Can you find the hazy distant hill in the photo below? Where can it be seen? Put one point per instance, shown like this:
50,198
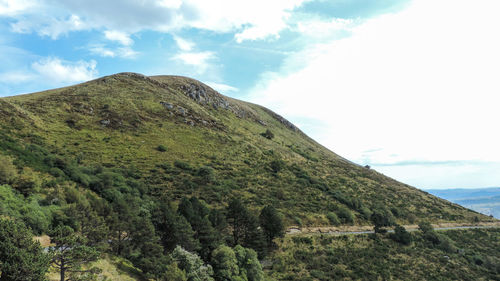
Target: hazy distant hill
483,200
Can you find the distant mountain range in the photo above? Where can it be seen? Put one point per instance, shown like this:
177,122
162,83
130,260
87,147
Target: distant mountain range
483,200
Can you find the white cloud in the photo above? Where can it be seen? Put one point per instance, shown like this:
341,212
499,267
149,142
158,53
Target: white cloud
122,52
15,77
14,7
58,71
420,84
118,36
220,87
183,44
201,60
250,20
49,26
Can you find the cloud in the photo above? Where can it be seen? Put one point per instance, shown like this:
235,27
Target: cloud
421,84
118,36
183,44
58,71
249,20
201,60
15,77
122,52
49,26
223,88
14,7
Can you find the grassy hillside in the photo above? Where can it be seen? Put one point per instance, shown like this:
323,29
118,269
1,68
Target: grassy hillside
172,176
132,122
447,255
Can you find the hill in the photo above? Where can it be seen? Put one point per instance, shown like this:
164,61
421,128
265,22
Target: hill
483,200
124,121
188,184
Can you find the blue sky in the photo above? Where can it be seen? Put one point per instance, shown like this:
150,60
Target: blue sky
408,87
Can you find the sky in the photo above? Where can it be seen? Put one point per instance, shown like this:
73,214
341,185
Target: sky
411,88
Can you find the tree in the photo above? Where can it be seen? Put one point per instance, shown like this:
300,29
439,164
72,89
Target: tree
197,215
192,265
236,215
249,264
173,229
70,252
174,273
225,264
21,258
380,219
401,235
271,223
245,227
8,171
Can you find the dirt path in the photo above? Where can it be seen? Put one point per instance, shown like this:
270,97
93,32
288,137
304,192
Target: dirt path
356,230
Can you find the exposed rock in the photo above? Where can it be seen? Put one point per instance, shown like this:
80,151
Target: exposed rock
262,122
105,122
182,110
167,105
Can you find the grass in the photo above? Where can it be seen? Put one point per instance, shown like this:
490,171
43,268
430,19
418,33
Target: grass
314,181
468,255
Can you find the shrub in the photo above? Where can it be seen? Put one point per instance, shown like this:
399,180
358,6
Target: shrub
333,218
8,171
277,165
206,174
268,134
401,235
161,148
182,165
345,215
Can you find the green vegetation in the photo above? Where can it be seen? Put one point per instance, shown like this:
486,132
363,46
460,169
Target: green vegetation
470,255
21,258
180,182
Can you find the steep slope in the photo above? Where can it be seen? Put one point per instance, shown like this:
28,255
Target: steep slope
163,129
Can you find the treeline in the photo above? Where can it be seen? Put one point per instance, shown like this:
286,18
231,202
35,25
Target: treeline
111,211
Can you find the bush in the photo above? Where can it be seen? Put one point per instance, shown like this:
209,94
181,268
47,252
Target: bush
268,134
182,165
8,171
161,148
401,235
277,165
206,174
345,215
333,218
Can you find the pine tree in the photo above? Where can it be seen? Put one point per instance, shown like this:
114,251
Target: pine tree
70,252
21,258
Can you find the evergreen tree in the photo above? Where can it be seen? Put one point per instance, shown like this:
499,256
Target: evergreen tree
237,215
173,229
70,252
271,223
21,258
